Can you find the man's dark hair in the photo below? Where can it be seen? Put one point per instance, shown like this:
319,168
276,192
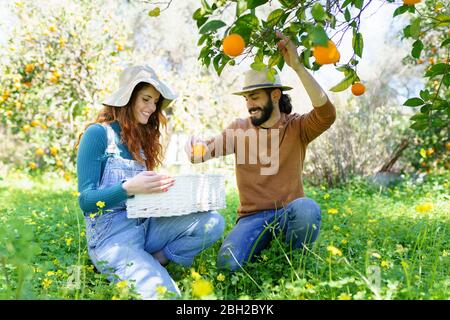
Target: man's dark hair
284,103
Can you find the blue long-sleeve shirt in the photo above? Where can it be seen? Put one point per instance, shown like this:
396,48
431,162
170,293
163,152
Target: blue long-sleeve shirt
91,161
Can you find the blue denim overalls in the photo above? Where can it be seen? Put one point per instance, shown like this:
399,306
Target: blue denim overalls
122,247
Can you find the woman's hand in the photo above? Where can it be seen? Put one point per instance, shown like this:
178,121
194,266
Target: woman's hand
148,182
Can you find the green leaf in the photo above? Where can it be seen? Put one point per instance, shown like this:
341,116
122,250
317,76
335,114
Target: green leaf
417,49
346,3
358,3
198,14
425,108
413,102
202,39
241,7
212,25
155,12
275,17
252,4
258,66
443,20
318,12
445,42
425,95
275,59
319,36
345,83
347,15
419,117
201,21
271,74
437,69
305,55
419,125
400,10
446,80
249,21
358,43
407,31
415,28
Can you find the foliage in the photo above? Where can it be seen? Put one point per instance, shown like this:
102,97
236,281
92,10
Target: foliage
57,66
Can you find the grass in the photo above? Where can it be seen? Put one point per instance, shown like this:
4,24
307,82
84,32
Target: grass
374,244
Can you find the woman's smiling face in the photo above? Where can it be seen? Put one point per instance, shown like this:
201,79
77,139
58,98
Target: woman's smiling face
145,104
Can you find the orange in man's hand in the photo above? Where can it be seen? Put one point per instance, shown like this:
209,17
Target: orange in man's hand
199,150
326,55
233,45
358,88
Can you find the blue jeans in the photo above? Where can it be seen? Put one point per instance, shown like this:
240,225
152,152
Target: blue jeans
299,221
122,248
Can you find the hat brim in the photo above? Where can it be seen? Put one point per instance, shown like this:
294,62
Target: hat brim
253,88
122,96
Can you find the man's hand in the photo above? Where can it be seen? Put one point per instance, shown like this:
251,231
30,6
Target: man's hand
195,149
289,51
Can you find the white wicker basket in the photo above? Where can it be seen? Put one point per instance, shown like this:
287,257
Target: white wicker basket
190,193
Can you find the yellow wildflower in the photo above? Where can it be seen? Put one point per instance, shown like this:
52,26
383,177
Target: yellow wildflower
336,228
334,251
195,275
332,211
53,151
344,241
122,284
309,286
69,241
46,283
92,215
326,196
424,207
100,204
75,193
344,296
115,298
32,165
220,277
39,152
385,264
161,290
201,288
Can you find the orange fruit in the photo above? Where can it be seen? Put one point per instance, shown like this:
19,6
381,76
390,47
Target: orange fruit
411,2
326,55
199,150
358,88
233,45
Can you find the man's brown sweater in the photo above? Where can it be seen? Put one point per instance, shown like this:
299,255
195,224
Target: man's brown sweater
261,191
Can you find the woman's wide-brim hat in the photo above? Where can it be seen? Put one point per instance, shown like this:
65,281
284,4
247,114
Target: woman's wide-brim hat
130,77
254,80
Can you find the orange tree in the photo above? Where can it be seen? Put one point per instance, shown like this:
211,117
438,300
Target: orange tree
55,66
316,27
430,32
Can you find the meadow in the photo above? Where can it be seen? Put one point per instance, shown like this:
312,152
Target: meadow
375,243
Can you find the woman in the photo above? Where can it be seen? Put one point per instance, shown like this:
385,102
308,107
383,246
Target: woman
116,158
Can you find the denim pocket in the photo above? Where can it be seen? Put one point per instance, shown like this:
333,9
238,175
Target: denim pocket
97,229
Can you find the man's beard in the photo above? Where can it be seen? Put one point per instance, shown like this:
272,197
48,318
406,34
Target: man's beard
266,112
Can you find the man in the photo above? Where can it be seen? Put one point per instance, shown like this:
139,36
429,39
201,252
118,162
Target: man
270,188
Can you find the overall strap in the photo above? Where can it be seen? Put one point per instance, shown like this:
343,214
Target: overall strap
112,147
